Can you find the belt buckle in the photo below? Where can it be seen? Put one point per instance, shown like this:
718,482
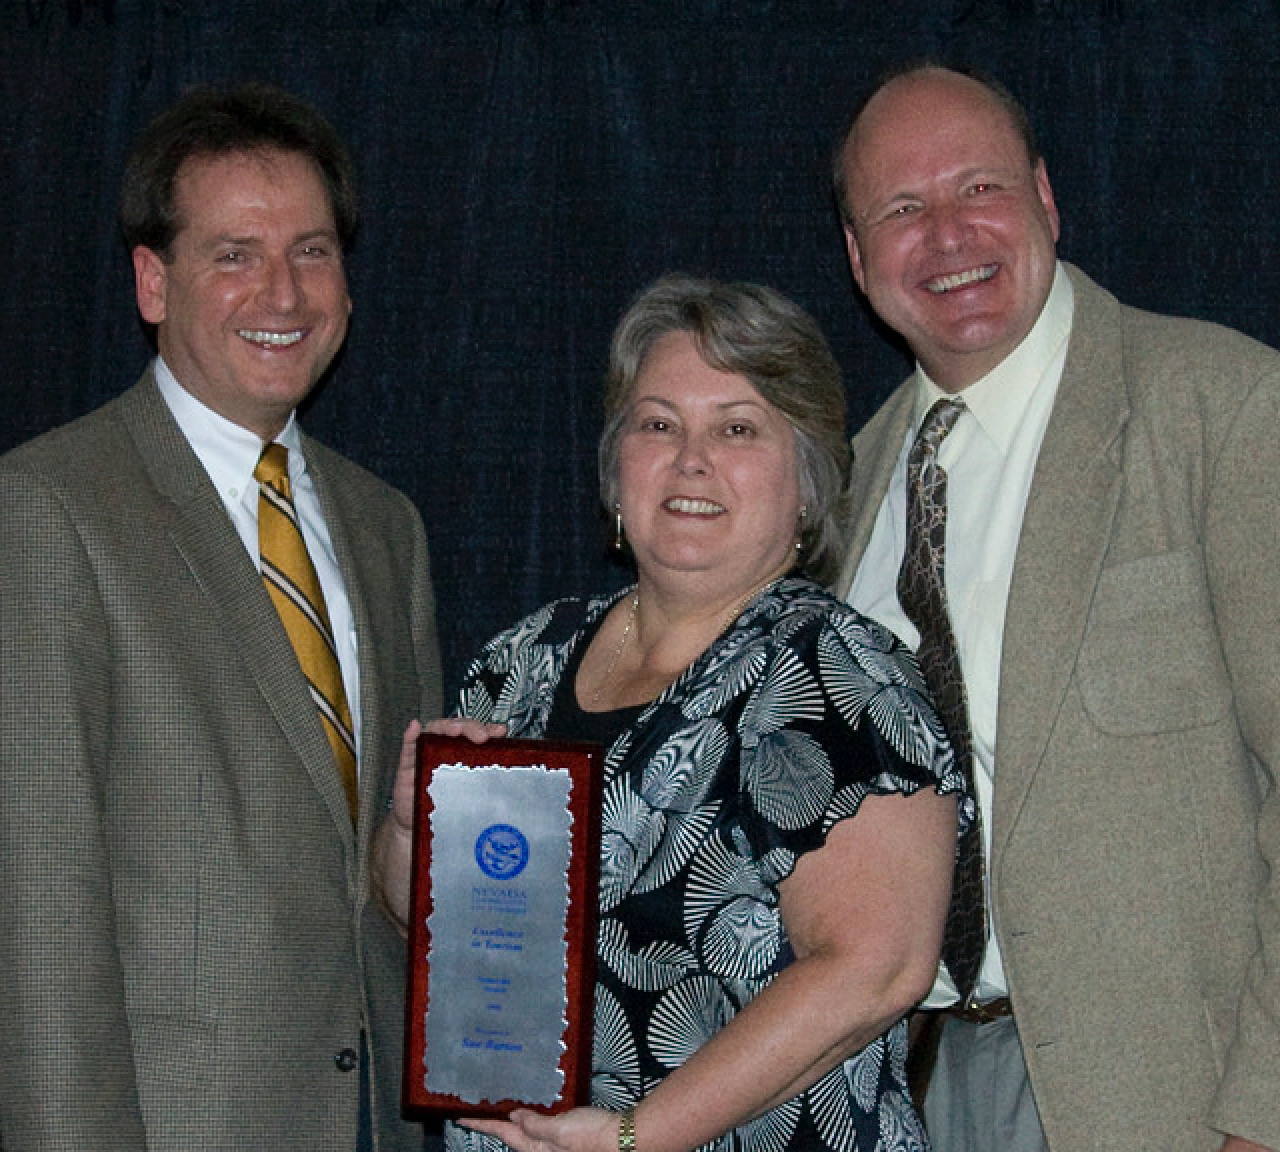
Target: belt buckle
985,1013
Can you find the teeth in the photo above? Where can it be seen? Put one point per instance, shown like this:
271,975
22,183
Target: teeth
960,279
272,339
694,507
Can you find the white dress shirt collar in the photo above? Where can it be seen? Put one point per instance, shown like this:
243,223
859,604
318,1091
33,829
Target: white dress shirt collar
999,399
228,452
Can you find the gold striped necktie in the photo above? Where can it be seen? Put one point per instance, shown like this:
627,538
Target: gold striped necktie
295,590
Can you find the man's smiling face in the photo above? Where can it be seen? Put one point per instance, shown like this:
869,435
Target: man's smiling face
250,303
953,228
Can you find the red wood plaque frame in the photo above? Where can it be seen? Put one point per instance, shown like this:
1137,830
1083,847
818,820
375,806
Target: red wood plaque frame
583,763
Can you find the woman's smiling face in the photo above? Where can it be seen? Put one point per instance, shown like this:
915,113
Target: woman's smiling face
707,475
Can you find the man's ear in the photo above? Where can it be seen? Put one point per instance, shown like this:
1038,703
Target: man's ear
150,283
1045,191
855,257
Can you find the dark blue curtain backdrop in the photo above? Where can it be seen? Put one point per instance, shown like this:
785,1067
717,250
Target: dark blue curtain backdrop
528,166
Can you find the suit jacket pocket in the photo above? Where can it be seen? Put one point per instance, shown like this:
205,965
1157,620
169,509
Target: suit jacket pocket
1150,660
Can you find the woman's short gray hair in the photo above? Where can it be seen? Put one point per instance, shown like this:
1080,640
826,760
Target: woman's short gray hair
757,333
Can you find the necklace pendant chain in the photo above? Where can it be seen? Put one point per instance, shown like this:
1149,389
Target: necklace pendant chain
617,652
734,611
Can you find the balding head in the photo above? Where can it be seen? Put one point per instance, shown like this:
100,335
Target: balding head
950,220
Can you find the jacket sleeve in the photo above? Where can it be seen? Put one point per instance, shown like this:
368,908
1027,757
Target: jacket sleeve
67,1077
1242,559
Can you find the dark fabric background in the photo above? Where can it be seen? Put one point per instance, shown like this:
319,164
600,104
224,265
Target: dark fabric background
527,166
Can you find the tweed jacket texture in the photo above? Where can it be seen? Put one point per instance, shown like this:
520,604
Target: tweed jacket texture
188,952
1136,826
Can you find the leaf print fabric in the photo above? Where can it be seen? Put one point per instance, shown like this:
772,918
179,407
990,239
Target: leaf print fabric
712,793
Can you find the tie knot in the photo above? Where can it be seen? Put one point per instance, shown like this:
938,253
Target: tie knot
273,467
938,422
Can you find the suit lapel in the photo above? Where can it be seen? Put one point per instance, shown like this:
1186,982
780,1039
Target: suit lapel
875,455
205,537
365,564
1066,530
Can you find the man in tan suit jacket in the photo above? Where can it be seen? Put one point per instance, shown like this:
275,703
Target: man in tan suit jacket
189,957
1132,819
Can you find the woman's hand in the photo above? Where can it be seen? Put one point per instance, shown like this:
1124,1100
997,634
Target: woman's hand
477,731
580,1130
391,855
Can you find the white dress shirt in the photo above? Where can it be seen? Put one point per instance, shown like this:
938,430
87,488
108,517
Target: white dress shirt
229,454
989,458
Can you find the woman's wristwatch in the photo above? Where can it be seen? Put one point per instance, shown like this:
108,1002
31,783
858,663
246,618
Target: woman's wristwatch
627,1130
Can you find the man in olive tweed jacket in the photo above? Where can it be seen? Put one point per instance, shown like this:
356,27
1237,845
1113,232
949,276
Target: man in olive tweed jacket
188,955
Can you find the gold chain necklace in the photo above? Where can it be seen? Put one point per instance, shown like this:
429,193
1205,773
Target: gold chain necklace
733,612
617,652
735,609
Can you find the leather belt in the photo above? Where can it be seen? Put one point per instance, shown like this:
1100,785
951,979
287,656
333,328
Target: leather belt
982,1013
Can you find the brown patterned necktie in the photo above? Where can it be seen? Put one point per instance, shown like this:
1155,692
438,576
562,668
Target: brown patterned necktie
295,590
922,594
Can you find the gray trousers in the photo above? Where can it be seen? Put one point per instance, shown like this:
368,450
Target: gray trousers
979,1097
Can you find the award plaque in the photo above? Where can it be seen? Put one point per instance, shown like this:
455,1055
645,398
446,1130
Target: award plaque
502,927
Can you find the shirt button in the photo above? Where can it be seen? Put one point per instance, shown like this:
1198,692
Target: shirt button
346,1060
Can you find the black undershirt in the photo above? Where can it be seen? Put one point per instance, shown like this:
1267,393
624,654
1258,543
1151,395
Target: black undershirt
569,721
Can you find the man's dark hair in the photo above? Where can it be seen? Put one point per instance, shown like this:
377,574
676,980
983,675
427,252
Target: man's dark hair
1003,97
213,122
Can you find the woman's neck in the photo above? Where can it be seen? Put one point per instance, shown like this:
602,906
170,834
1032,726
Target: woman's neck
652,636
